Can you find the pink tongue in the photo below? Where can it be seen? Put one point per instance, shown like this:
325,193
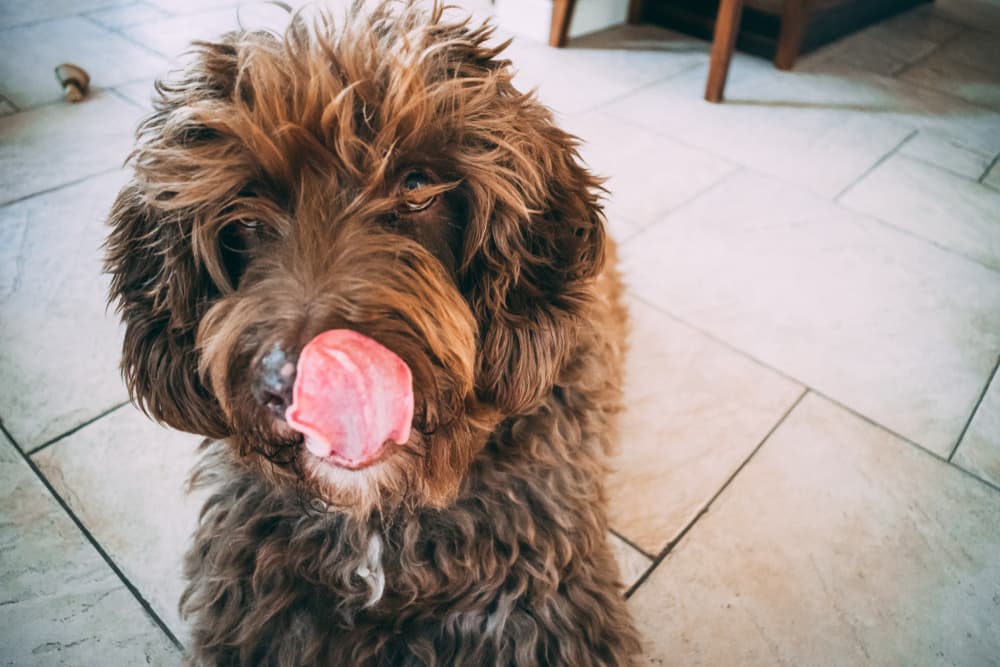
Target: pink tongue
351,396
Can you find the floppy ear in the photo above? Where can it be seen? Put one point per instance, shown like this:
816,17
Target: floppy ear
161,295
160,285
533,259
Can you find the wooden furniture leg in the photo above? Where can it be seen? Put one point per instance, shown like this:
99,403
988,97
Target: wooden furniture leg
793,26
562,13
727,24
635,10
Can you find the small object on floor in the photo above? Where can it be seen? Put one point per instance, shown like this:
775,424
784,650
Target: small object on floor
74,80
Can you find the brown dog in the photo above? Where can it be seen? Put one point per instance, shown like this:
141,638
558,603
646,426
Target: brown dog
384,178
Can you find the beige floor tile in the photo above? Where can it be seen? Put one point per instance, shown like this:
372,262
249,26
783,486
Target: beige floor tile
192,6
129,15
979,451
933,204
59,348
924,22
139,93
19,12
894,327
598,68
648,174
141,514
980,14
60,602
631,563
881,49
992,177
836,545
767,124
695,410
57,144
26,74
938,151
968,67
173,37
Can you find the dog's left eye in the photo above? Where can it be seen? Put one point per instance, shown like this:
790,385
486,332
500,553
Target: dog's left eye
413,182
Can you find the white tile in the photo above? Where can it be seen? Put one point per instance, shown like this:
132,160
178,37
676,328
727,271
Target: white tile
992,177
128,15
880,49
139,93
837,544
141,515
192,6
648,174
26,75
888,324
924,22
60,602
632,564
955,212
939,151
53,145
59,347
599,68
19,12
694,412
769,124
173,37
979,451
968,67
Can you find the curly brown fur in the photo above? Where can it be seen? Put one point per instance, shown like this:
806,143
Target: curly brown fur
272,201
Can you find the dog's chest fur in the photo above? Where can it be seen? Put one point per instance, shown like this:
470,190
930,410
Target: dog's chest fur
481,582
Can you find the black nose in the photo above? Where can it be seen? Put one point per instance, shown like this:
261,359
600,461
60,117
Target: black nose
274,381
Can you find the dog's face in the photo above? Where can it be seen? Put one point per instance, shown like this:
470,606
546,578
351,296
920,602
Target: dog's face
383,177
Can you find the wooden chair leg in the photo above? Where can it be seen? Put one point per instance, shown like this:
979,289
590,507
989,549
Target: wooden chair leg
793,27
727,25
635,8
562,13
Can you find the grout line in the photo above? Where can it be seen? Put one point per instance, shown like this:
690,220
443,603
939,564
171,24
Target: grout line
975,409
59,17
665,215
989,167
67,184
913,235
638,89
630,543
707,506
94,543
806,385
878,163
82,425
937,47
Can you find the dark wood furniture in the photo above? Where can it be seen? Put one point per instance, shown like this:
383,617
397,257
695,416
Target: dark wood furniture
727,26
797,25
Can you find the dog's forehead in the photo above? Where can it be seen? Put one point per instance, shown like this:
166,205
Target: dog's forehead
361,96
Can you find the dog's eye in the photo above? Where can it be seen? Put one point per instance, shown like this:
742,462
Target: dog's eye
411,185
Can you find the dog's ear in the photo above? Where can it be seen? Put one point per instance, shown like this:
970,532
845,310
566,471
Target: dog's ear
160,285
534,245
160,295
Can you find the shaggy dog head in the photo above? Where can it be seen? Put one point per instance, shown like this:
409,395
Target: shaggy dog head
380,175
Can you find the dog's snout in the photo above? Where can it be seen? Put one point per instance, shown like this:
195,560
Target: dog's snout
274,381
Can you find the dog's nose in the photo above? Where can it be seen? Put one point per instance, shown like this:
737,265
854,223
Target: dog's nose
275,379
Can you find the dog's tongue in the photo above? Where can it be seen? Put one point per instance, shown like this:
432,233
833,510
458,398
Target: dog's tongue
351,396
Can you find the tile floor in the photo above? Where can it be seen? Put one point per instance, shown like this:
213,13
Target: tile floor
810,463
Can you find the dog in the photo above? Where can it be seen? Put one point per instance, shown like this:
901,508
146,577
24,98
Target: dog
375,276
